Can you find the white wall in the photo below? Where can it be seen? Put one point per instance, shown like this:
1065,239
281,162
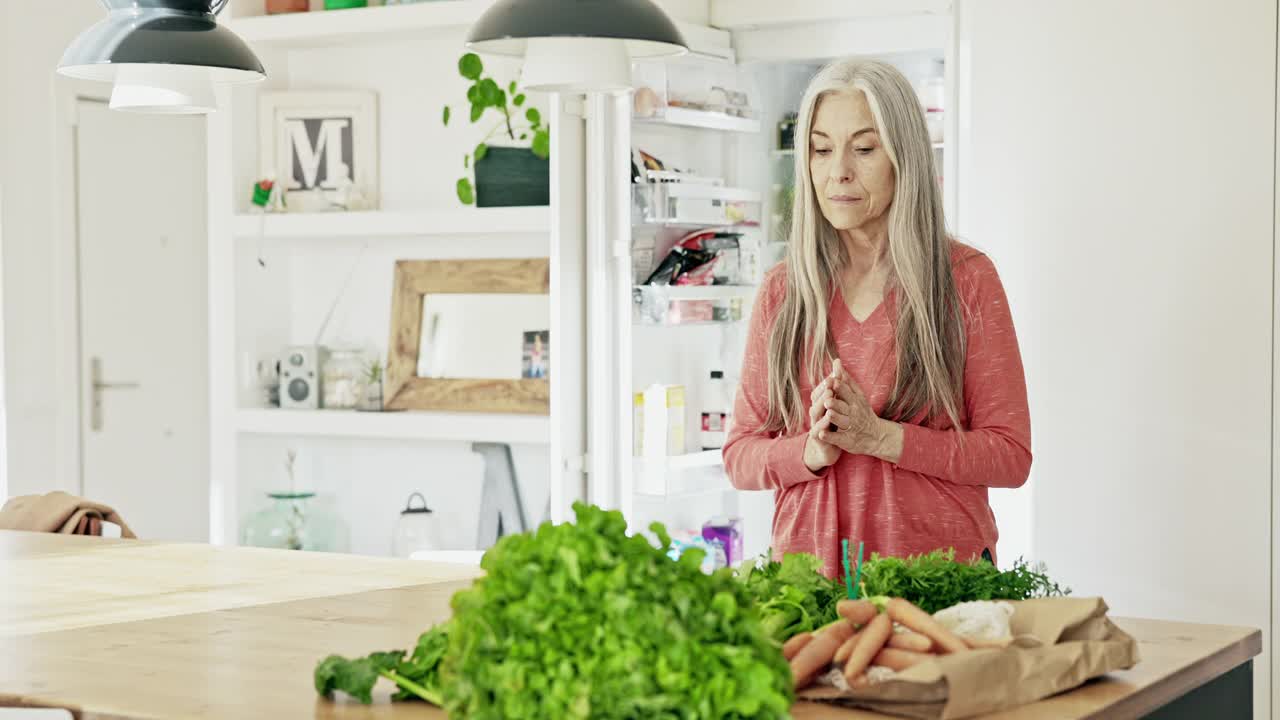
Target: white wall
32,38
691,11
1117,162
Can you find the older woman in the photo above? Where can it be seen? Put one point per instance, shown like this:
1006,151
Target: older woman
882,390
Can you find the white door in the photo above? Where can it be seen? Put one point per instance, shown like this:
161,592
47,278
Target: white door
143,318
1117,161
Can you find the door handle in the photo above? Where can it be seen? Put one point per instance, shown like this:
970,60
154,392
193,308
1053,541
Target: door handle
98,385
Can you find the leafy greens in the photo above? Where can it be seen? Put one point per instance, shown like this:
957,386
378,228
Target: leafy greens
581,620
793,595
418,676
936,580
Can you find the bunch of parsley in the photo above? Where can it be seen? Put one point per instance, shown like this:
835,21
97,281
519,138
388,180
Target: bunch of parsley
581,620
936,580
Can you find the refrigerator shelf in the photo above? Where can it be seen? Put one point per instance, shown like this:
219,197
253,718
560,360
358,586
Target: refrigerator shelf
674,305
727,324
697,292
680,475
705,119
693,204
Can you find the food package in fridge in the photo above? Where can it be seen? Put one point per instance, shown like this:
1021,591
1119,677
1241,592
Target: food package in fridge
637,424
664,410
728,532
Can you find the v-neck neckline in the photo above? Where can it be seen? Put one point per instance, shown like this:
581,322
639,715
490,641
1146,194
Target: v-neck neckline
840,299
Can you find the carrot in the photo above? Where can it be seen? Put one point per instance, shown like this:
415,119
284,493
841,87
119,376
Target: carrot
858,612
794,643
817,653
895,659
913,618
843,653
870,641
913,641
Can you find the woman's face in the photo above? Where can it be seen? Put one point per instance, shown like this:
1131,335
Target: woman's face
852,175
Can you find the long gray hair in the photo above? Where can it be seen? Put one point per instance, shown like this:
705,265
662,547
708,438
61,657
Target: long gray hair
929,330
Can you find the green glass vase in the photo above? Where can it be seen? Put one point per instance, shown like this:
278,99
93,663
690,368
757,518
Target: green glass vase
294,521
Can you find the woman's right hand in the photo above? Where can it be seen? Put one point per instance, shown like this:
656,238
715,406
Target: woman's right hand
819,454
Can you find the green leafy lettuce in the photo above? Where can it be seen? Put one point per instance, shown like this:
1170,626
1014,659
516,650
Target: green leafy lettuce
793,595
581,620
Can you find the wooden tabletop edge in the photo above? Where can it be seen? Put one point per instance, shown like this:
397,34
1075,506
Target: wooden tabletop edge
1176,684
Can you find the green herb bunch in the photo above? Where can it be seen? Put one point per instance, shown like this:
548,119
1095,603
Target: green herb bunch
485,94
417,676
793,595
581,620
936,581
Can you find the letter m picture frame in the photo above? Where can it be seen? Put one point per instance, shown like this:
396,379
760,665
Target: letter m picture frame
326,140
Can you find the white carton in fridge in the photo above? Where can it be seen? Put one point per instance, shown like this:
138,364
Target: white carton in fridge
664,410
637,424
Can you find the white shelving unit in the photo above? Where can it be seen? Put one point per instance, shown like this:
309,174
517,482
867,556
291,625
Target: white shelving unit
378,24
466,427
356,25
407,56
442,222
686,117
766,13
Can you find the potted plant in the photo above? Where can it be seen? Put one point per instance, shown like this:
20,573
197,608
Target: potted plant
371,394
505,175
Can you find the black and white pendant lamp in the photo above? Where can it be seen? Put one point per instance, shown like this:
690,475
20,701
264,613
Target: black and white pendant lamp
576,45
162,56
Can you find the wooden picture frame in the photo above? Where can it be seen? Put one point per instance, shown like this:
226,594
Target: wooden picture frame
405,390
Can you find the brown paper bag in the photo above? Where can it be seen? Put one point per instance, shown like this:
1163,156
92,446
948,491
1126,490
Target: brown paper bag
1059,643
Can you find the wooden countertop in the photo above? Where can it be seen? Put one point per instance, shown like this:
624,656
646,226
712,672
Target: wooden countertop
127,629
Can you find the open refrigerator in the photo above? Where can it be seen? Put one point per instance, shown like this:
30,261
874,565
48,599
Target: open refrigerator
700,156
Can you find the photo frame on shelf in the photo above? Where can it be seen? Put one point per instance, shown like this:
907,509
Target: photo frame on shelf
322,148
535,361
407,388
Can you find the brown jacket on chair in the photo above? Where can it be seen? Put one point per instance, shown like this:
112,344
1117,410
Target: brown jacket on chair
59,512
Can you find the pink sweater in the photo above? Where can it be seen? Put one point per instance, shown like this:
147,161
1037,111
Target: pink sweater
936,495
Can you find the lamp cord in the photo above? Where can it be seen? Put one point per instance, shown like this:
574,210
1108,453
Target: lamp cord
217,7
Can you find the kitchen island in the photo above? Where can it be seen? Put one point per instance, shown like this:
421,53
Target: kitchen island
134,629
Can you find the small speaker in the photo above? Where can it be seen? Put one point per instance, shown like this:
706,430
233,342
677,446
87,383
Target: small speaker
300,377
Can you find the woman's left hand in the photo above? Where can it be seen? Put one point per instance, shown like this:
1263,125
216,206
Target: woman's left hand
858,430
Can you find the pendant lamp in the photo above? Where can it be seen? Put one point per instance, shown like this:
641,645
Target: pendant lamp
576,45
163,56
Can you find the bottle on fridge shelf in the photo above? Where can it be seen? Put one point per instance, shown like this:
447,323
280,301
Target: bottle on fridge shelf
715,412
